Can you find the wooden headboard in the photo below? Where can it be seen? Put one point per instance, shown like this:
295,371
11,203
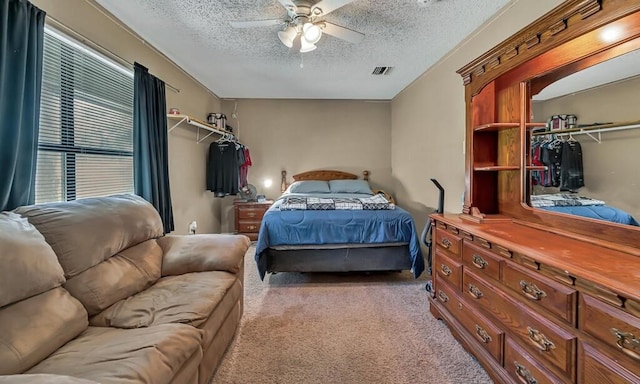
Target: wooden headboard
322,174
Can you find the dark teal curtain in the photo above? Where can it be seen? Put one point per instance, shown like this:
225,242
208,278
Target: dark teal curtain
21,42
150,144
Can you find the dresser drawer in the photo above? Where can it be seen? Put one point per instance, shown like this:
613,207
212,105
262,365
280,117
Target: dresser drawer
448,268
480,260
596,367
539,290
251,213
610,325
549,340
448,241
524,368
486,333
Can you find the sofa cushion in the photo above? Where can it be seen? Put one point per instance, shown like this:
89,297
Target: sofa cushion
189,299
87,231
43,379
28,265
33,328
199,253
117,278
111,355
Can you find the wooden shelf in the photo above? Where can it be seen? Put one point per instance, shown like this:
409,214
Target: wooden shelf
196,123
536,125
491,168
495,127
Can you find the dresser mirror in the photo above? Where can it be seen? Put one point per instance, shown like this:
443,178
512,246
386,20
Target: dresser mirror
590,142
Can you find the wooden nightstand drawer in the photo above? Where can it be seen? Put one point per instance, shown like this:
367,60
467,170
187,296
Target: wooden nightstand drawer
249,226
542,291
248,217
252,213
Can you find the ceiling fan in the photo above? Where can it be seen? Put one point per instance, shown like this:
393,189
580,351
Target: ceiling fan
303,26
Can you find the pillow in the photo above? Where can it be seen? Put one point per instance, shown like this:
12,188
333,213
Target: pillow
350,186
309,186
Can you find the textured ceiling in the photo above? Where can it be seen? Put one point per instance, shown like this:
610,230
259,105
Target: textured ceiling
408,35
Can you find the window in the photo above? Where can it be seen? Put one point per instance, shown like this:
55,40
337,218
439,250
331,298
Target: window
85,146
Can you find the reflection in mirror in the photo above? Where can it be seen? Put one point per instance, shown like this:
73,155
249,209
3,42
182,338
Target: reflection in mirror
588,157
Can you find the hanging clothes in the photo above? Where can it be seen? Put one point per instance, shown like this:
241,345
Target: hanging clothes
571,172
223,169
244,167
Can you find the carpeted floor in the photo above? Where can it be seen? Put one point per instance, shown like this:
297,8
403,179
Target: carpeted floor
342,328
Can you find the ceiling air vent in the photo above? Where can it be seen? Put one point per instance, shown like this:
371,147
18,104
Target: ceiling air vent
381,71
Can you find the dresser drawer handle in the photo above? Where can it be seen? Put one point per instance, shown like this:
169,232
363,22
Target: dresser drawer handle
445,270
540,340
251,214
251,227
482,333
627,342
474,291
524,375
443,297
479,262
446,243
531,291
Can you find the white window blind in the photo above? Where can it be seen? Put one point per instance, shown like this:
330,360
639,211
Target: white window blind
85,145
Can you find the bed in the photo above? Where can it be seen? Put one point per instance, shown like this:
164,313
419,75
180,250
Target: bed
331,221
573,204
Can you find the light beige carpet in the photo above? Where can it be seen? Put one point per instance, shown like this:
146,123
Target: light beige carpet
351,328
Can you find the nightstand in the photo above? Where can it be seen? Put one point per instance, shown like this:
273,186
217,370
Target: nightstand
248,217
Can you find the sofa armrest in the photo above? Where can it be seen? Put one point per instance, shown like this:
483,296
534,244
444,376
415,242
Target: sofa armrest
200,253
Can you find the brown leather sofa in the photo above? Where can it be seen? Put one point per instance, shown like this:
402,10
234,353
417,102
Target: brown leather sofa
92,290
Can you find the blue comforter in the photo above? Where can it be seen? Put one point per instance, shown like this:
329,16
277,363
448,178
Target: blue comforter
600,212
314,227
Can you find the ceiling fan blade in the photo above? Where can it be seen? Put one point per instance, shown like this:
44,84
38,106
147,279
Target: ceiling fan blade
256,23
288,4
329,5
342,33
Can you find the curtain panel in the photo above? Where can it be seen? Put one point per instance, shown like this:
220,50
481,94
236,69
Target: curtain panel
150,144
21,46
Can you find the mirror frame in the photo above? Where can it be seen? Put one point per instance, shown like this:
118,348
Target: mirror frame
564,41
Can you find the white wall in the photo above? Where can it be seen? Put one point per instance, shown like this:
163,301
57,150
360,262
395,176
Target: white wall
428,117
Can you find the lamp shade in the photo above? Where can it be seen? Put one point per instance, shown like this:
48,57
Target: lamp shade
287,35
311,32
306,46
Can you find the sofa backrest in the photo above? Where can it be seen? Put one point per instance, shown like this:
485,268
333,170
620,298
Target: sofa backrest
37,315
106,245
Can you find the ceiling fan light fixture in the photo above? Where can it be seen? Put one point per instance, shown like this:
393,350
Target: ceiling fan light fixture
287,35
311,33
306,46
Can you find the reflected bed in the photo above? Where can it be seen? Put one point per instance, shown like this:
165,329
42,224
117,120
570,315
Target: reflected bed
582,206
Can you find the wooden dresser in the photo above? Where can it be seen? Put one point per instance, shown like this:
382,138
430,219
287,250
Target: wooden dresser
248,217
537,307
538,296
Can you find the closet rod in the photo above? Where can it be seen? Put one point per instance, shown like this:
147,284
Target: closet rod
590,130
112,55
